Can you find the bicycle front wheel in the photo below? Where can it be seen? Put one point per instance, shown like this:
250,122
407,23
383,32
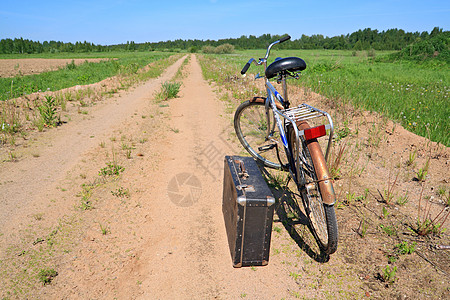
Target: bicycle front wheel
322,217
257,131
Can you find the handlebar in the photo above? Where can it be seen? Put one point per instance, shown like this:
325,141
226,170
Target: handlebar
263,60
285,38
245,68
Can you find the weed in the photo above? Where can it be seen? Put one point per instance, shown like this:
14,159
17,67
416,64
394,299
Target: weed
121,193
427,224
48,112
389,192
375,135
392,258
411,160
402,200
442,191
389,230
406,248
111,169
422,173
104,229
12,156
335,162
388,275
175,130
363,197
168,90
295,275
362,229
277,229
46,275
349,198
85,194
384,212
342,132
102,144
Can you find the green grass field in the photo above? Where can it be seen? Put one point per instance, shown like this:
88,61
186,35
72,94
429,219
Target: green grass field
416,95
71,75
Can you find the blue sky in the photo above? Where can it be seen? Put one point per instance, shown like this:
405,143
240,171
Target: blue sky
118,21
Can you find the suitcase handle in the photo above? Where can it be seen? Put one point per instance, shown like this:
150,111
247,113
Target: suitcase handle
243,173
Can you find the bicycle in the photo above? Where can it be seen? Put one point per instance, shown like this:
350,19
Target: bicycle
262,124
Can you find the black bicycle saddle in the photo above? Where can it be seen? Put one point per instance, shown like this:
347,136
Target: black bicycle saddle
290,64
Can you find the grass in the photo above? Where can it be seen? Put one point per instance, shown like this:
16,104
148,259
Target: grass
46,275
72,74
111,169
414,95
389,275
169,90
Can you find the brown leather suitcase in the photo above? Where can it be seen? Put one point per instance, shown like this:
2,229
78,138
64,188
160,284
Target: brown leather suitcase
248,206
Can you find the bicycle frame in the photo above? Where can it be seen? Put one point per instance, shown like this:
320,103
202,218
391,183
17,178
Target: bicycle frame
273,95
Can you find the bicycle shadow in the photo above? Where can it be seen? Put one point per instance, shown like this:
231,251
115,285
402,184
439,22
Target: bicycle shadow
294,219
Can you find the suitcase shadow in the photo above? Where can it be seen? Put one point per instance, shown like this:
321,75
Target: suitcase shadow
293,218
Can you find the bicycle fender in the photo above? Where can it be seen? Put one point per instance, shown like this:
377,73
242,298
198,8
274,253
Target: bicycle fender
320,166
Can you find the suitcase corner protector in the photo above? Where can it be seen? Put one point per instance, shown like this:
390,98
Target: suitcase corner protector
241,200
238,265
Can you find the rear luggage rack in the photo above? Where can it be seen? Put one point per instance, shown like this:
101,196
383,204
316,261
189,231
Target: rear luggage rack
305,112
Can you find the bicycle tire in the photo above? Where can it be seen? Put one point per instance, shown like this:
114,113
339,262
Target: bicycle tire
321,216
250,124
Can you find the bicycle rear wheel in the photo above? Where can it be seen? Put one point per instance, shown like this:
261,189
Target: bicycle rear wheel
258,132
322,217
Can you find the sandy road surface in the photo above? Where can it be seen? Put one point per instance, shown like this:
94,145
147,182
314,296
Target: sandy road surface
161,242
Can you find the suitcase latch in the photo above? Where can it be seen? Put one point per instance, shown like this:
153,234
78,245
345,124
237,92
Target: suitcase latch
246,187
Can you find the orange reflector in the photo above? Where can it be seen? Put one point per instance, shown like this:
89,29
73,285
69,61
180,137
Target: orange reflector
315,132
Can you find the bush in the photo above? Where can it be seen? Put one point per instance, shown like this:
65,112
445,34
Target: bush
208,49
224,49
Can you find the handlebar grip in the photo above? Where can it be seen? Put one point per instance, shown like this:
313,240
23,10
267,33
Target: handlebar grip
285,38
244,70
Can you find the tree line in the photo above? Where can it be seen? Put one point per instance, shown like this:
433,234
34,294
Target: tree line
366,39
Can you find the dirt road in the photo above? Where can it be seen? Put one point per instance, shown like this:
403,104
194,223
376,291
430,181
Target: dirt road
162,242
156,230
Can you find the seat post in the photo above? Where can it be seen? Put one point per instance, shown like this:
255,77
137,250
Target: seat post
285,90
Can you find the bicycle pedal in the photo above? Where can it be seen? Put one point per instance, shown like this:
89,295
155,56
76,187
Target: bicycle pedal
268,147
